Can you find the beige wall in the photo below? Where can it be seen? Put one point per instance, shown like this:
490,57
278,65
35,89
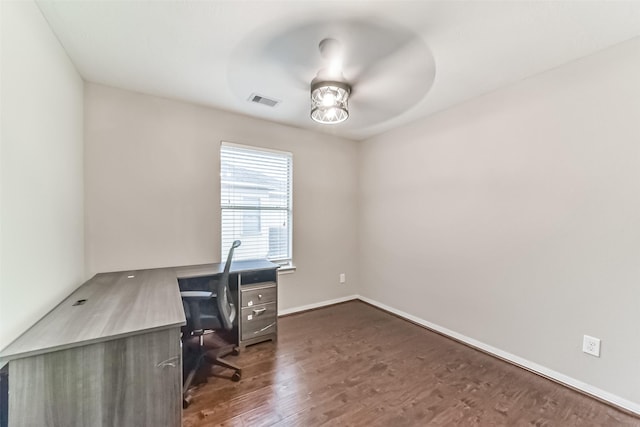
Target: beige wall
152,178
41,185
514,219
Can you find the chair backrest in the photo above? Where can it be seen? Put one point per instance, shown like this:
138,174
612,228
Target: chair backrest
225,307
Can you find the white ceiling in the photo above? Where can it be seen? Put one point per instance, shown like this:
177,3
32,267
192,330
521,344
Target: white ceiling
406,60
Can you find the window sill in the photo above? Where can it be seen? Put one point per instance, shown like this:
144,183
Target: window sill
287,269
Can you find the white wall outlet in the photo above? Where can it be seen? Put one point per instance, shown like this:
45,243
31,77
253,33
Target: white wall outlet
343,278
591,345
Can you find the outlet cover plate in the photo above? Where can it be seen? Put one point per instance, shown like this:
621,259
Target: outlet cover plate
591,345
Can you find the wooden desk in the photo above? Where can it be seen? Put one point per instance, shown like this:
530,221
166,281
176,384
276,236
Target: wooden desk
109,354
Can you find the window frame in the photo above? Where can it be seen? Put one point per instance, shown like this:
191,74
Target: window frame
285,263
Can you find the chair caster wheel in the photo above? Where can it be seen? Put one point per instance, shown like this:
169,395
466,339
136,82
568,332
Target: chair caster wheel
236,377
236,351
186,402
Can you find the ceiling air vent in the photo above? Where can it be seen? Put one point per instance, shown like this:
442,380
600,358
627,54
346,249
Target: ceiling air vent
259,99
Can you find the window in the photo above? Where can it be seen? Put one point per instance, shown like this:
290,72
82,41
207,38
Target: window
255,200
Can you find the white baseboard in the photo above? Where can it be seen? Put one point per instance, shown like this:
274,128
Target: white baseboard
519,361
316,305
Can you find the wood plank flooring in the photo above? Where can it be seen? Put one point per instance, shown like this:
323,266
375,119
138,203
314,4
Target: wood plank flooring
354,365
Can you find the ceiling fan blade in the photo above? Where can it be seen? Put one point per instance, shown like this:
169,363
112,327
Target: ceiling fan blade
398,81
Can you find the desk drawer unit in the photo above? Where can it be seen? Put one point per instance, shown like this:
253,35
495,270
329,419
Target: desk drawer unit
259,313
258,321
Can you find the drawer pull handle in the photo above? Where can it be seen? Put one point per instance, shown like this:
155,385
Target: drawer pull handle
265,328
172,362
259,311
259,296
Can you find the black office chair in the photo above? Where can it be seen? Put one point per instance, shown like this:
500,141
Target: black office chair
208,308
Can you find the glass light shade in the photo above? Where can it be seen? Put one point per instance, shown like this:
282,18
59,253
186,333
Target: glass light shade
329,102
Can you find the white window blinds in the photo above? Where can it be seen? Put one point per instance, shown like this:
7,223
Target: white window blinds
255,189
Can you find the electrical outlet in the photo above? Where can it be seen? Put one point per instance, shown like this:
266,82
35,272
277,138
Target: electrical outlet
591,345
343,278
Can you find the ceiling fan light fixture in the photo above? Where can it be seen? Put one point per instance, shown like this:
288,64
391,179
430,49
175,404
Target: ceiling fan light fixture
330,101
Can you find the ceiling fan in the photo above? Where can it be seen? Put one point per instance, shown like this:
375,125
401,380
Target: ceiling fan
368,71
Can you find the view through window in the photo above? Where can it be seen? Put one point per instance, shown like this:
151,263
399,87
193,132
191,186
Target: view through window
255,189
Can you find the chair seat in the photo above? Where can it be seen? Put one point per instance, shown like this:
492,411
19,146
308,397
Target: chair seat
210,321
209,315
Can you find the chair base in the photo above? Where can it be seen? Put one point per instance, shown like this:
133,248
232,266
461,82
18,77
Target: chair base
210,357
186,391
237,374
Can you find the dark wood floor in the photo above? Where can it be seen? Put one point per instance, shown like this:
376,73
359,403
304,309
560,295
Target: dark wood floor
352,364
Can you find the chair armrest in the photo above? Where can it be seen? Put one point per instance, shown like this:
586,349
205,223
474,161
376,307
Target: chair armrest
196,295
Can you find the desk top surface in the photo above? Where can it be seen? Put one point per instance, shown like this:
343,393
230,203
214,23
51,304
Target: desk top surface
116,305
213,269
